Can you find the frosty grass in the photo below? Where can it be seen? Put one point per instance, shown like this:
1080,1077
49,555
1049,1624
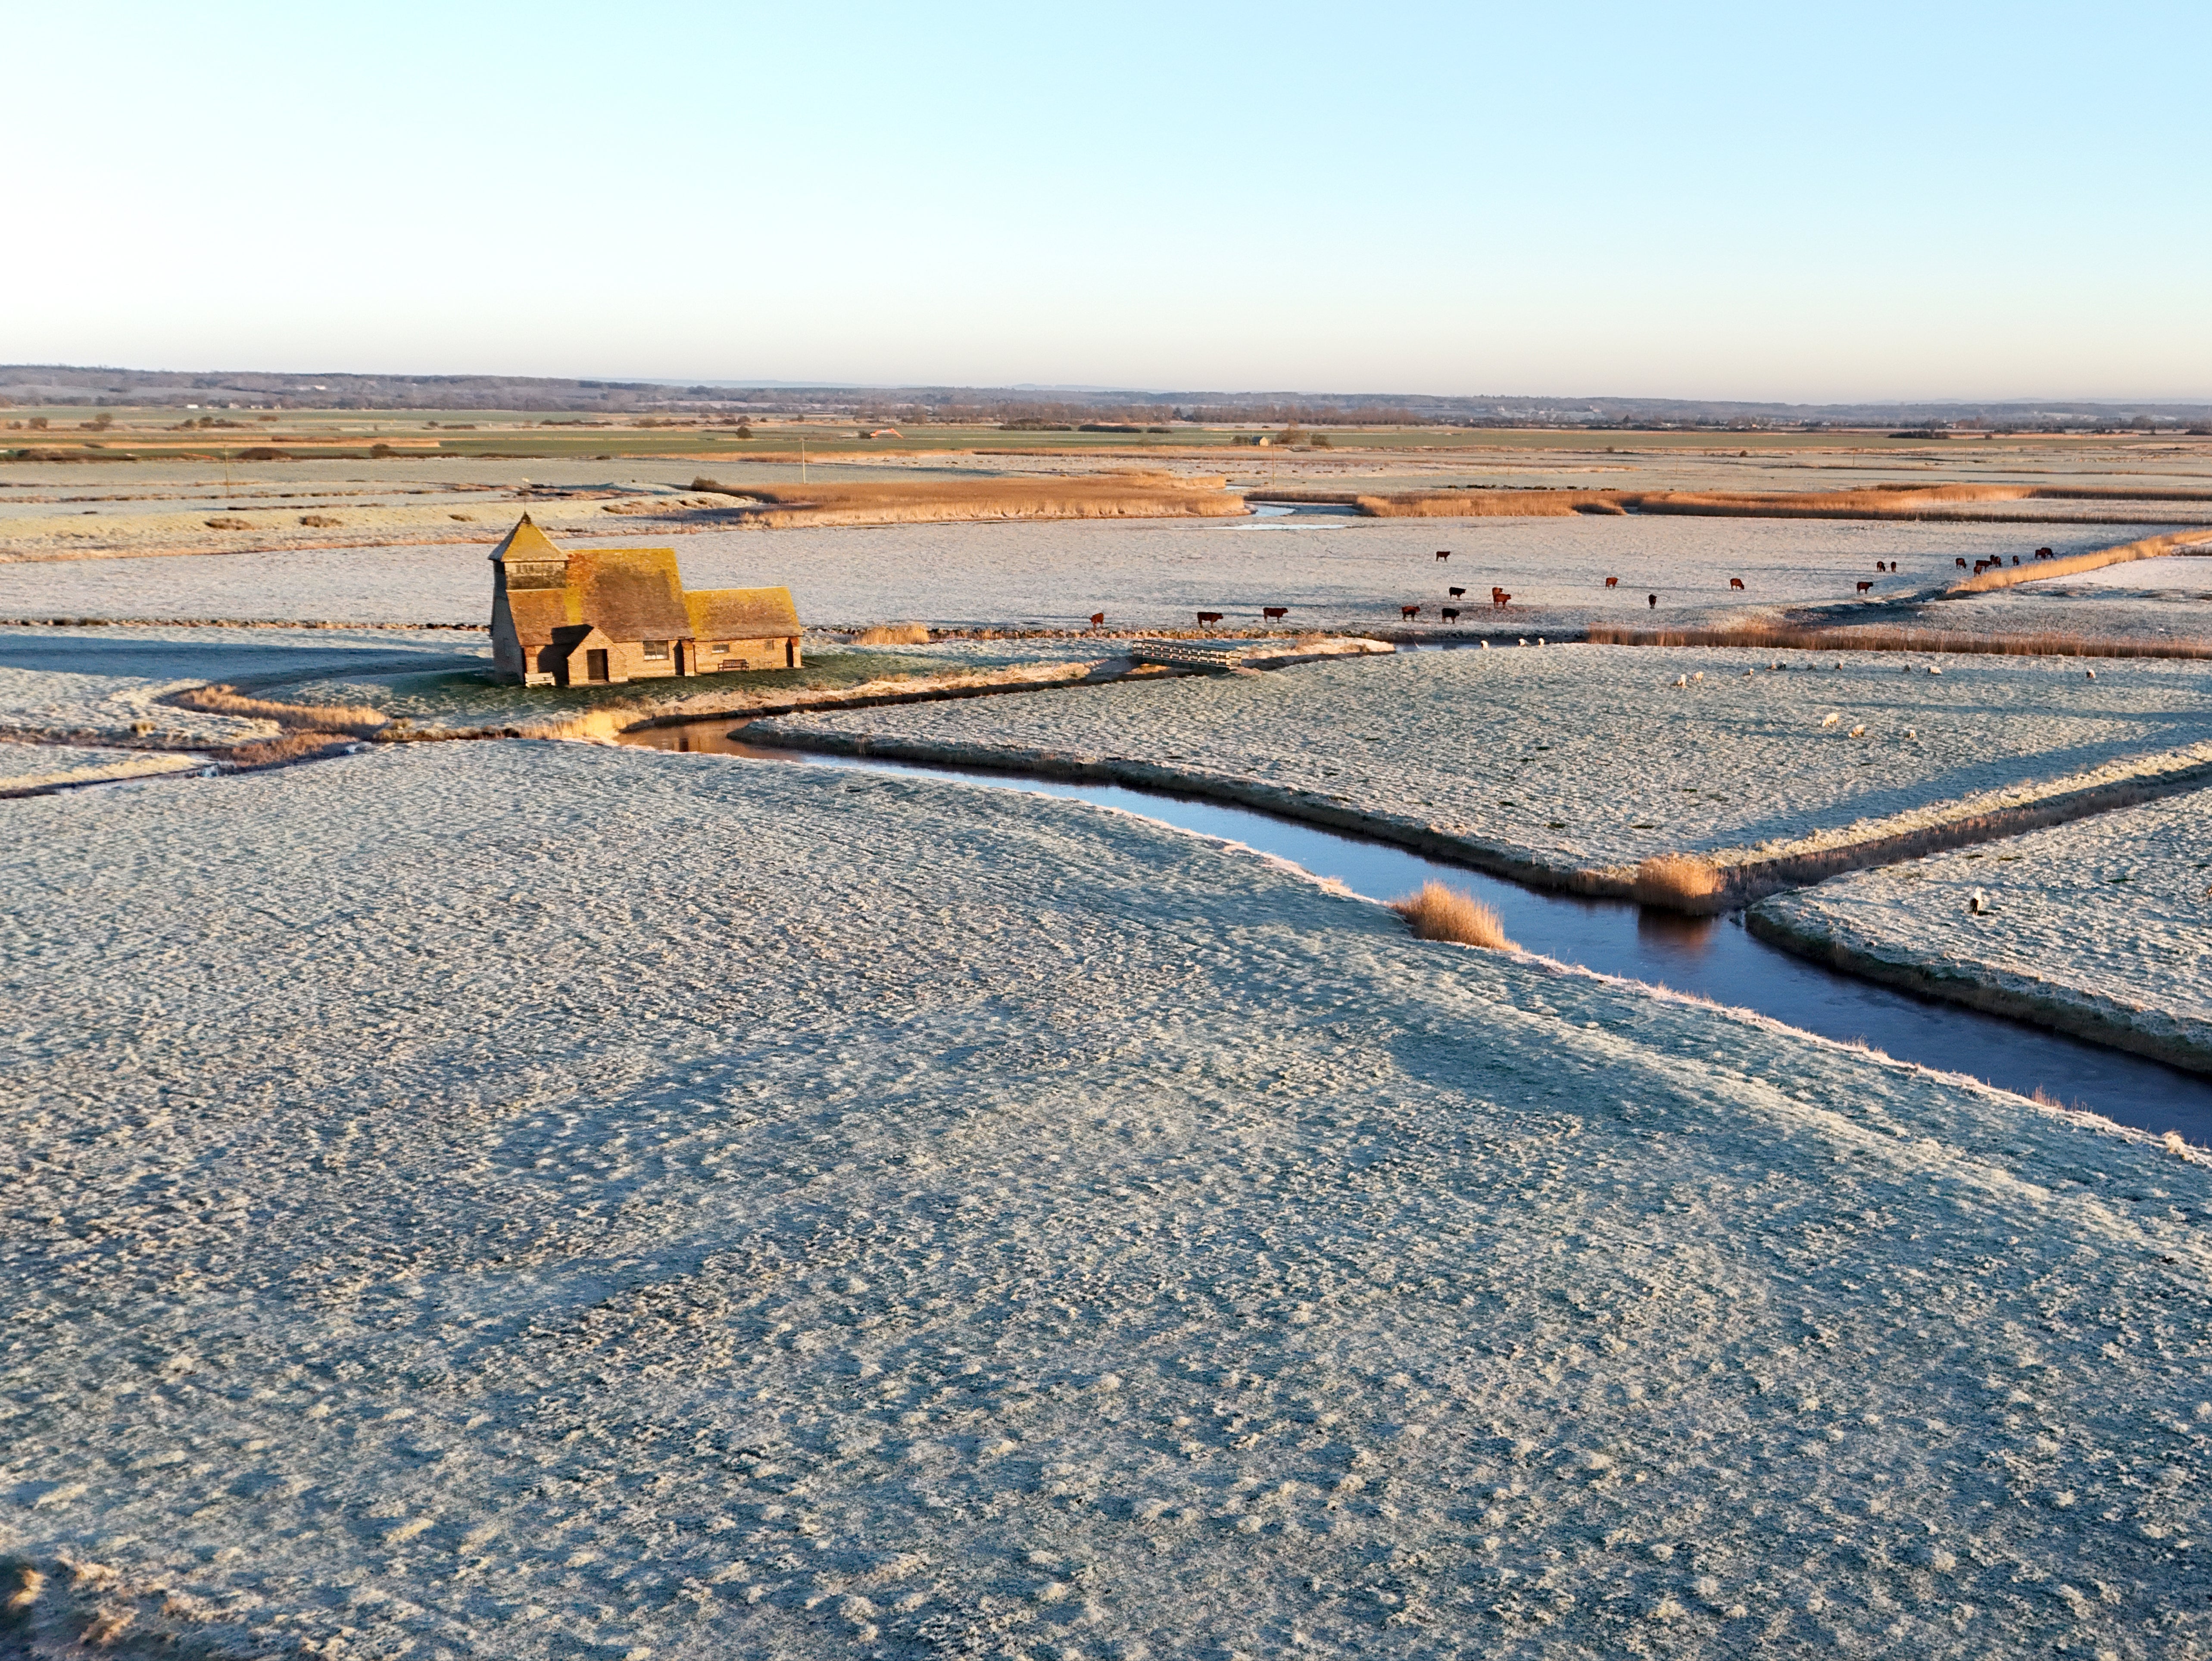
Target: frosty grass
1572,757
2108,919
42,705
534,1201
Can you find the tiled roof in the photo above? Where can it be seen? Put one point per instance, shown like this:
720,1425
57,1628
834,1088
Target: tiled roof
741,613
633,593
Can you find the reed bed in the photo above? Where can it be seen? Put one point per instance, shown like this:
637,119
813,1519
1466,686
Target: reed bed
290,746
2010,576
910,502
1438,913
894,633
358,719
1491,504
1930,641
1903,501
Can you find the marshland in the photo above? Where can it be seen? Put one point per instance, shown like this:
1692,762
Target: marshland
475,1141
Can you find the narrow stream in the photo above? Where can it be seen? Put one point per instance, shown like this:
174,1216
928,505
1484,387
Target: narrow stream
1713,957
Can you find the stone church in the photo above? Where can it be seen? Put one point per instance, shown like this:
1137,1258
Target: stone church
592,616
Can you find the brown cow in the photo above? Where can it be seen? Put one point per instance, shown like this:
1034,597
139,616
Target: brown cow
1449,613
1654,601
1443,553
1613,582
1960,563
1097,619
2045,553
1274,610
1454,592
1864,587
1205,618
1409,611
1736,582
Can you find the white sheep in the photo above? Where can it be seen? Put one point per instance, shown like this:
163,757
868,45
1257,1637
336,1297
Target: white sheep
1978,902
1681,681
1934,670
2092,673
1859,731
1830,721
1700,675
1911,733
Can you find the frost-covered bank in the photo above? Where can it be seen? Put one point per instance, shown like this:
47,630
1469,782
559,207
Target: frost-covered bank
1567,764
27,768
121,709
540,1201
2101,928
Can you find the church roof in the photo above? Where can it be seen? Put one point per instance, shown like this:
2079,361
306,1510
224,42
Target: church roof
741,613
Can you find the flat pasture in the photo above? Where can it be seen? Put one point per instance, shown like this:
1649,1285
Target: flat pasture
1331,571
921,1219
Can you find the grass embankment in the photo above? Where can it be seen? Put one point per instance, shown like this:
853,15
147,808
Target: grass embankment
1904,501
357,719
904,502
310,729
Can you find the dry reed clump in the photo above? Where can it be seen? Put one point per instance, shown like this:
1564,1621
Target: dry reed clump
228,522
291,746
894,633
597,726
1680,883
1928,641
320,521
903,501
1438,913
327,718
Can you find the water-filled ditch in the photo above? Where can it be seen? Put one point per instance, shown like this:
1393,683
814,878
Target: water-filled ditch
1713,957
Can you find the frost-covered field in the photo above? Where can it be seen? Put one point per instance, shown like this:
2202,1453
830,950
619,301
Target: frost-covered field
544,1201
1580,757
1332,571
42,766
125,707
243,656
2167,599
2102,926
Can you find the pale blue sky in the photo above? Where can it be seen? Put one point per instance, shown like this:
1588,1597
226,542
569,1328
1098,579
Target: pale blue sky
1766,202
